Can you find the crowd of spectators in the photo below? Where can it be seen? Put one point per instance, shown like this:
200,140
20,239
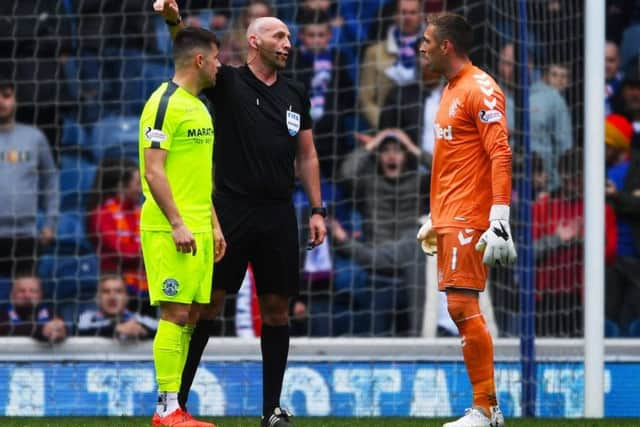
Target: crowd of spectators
80,70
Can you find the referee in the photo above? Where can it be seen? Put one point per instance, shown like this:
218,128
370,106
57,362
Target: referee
263,129
177,216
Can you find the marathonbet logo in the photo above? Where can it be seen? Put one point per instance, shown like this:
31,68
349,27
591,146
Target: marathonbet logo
192,133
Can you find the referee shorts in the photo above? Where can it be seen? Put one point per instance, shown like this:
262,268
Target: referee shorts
264,235
175,276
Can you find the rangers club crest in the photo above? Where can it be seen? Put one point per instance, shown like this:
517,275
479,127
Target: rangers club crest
293,122
170,287
453,108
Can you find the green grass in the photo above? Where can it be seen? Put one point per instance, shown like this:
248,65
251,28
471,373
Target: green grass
305,422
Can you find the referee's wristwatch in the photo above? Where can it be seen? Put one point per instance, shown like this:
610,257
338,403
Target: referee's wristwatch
322,211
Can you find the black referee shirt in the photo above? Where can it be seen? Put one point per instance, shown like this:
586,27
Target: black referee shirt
256,129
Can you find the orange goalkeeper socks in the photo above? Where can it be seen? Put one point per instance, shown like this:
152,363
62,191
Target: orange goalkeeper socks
477,347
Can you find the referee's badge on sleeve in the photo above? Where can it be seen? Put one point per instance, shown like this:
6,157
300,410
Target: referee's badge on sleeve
293,122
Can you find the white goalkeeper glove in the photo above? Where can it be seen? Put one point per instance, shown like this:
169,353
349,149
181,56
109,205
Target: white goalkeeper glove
497,242
428,238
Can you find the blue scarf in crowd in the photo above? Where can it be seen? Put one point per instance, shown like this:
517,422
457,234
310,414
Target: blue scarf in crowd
322,64
43,315
406,49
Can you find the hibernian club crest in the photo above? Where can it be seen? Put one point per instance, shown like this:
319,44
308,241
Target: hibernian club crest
170,287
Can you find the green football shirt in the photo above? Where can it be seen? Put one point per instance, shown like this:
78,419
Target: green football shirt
178,122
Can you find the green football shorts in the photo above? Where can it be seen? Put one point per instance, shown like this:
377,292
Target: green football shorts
175,276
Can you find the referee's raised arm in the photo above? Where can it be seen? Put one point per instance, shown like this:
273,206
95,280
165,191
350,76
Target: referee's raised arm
169,10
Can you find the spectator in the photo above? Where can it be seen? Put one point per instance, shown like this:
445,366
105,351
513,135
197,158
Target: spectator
391,61
328,7
618,132
617,137
331,95
388,184
549,116
217,13
390,188
558,76
28,316
623,278
40,32
233,49
627,101
28,183
558,235
413,107
112,38
612,74
113,223
540,178
396,294
111,318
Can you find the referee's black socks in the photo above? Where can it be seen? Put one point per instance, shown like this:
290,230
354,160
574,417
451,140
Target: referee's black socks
275,349
198,342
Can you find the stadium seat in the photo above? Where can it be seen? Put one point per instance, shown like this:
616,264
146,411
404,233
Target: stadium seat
70,236
5,291
115,136
73,134
633,329
76,179
69,278
611,329
629,46
70,311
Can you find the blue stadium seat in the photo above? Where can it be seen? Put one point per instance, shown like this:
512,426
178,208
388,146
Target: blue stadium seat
5,291
76,179
116,136
70,311
611,329
630,45
73,134
69,278
140,85
634,328
71,237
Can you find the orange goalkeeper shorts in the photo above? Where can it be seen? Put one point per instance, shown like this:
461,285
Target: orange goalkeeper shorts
460,266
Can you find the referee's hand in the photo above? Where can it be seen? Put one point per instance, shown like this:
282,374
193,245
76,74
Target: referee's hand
168,9
184,240
317,230
219,244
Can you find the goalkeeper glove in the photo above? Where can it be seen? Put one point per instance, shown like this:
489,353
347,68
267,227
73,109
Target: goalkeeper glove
497,242
428,238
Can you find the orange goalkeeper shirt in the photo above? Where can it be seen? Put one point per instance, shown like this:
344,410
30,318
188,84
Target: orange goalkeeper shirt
472,159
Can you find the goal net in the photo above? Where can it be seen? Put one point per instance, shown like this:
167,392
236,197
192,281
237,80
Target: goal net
81,71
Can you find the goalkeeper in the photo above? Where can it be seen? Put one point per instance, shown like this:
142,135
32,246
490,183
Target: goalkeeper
177,216
470,196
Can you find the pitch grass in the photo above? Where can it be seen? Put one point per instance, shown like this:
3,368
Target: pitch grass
305,422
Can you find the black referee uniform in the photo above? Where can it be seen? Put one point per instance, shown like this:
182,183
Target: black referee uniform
256,138
256,128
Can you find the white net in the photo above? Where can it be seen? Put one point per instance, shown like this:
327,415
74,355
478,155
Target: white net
82,70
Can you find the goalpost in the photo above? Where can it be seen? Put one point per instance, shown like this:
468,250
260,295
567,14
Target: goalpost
552,361
594,210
